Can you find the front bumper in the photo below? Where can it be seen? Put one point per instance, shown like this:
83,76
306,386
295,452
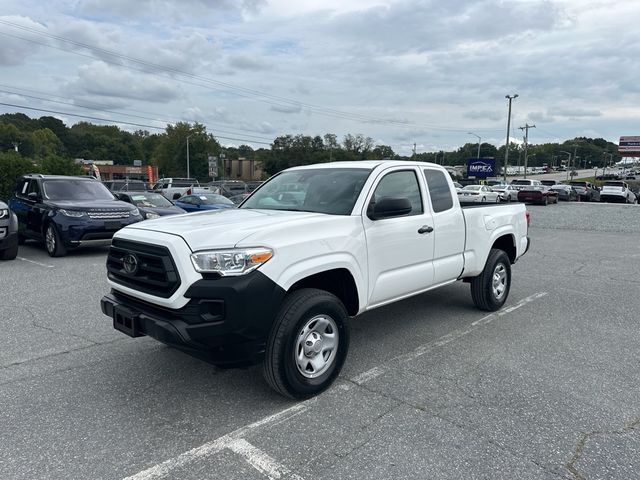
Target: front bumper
77,231
226,321
7,239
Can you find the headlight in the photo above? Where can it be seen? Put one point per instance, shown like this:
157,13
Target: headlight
135,213
151,215
72,213
230,262
4,213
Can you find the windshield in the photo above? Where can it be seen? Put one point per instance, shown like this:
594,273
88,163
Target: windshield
76,189
578,184
212,199
614,184
521,182
324,190
472,187
150,200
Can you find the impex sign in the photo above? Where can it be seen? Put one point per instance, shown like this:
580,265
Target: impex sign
481,167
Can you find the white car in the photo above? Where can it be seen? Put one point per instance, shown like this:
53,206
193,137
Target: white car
522,183
616,191
508,193
478,194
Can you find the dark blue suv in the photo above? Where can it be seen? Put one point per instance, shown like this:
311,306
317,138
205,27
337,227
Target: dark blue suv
66,212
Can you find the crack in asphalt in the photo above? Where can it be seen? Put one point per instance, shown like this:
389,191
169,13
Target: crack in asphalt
35,324
463,427
582,443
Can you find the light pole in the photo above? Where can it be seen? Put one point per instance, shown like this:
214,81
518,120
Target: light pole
506,152
479,142
188,154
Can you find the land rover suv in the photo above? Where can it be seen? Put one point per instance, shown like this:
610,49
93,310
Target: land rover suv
66,212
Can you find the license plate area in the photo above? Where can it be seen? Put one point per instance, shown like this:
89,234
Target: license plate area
112,225
126,321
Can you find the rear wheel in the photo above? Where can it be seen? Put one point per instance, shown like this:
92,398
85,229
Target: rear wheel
498,199
52,242
545,201
490,289
483,200
308,343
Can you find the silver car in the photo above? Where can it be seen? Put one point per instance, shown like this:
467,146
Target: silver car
508,193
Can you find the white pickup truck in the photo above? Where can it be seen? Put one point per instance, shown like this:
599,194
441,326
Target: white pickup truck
174,188
277,279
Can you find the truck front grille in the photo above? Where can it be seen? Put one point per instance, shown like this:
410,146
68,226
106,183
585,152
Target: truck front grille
143,267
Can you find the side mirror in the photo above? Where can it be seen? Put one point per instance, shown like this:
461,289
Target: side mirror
388,207
34,196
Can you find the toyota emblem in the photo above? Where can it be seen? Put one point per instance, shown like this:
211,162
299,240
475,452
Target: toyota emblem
130,263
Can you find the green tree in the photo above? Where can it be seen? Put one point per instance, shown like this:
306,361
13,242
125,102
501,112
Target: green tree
12,167
45,143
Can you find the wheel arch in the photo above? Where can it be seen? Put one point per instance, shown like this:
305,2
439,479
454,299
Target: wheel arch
337,281
507,243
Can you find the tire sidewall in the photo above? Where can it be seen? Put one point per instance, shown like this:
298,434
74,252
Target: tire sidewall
497,259
298,385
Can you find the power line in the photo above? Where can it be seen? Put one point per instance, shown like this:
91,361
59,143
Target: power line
116,113
118,121
273,100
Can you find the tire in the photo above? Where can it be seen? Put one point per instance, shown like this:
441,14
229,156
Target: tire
498,199
52,242
296,365
9,253
509,199
483,200
545,202
490,289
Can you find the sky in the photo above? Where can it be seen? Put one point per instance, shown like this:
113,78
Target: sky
403,72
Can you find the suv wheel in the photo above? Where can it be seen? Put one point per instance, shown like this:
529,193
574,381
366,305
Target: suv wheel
308,343
52,242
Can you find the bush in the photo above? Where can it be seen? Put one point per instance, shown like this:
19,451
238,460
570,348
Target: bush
12,167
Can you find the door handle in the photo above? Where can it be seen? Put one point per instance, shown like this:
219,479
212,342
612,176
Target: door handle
425,229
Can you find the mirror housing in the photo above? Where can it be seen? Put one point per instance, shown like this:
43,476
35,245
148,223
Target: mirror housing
388,207
34,196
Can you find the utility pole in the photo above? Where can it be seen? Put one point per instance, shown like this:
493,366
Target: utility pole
188,156
526,144
414,149
506,152
479,142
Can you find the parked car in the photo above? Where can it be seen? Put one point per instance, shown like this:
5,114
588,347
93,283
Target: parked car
200,203
508,193
538,194
458,186
66,212
238,199
586,191
565,192
253,184
125,185
478,194
151,205
617,191
174,188
229,188
8,233
495,183
549,183
520,183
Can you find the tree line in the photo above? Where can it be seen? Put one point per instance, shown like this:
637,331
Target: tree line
46,145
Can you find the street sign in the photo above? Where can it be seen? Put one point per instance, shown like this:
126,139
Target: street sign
481,167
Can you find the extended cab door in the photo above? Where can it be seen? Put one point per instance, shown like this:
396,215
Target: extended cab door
448,227
399,248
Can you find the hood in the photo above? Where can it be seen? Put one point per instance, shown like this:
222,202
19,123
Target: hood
88,205
162,211
224,228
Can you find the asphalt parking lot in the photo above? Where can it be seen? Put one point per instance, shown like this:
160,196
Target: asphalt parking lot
545,388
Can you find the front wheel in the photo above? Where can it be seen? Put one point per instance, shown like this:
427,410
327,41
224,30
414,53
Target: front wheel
52,241
490,289
308,343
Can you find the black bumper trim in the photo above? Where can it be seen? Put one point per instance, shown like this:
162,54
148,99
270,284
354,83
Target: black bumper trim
226,322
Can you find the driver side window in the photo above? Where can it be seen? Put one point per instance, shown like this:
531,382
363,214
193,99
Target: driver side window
401,184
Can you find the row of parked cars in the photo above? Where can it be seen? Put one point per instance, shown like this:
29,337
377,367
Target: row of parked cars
64,212
546,191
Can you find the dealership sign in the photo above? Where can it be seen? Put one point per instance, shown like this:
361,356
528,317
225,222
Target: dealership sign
481,167
629,146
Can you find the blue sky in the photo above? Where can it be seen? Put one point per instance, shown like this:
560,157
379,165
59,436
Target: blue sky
401,72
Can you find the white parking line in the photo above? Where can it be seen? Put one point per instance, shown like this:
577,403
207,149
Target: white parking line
34,262
165,468
261,461
266,465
